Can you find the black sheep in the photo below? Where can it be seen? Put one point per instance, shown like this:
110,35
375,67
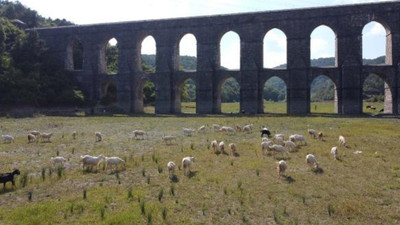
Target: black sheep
265,131
6,177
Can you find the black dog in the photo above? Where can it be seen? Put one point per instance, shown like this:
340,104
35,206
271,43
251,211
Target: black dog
6,177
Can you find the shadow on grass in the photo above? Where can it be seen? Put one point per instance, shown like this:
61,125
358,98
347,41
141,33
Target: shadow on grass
174,179
318,170
5,191
289,179
192,174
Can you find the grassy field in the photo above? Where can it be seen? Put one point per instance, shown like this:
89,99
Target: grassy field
357,189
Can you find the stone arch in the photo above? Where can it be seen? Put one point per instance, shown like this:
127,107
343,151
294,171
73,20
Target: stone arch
275,41
229,50
327,101
144,102
149,48
109,53
186,50
189,108
108,93
236,95
386,90
377,33
74,58
272,92
322,46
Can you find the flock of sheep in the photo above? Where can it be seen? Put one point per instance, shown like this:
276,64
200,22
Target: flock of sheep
268,146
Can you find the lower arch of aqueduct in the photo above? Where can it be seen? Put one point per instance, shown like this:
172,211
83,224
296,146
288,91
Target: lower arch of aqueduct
348,74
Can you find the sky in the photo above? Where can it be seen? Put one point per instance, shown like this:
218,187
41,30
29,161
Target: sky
105,11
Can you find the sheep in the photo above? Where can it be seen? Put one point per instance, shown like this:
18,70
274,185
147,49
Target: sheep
216,127
214,145
278,148
222,147
202,129
35,132
321,135
265,131
139,133
233,148
74,134
168,138
297,138
114,161
248,128
312,133
88,160
279,140
171,168
334,152
186,164
342,141
312,161
265,145
98,136
7,177
290,145
282,136
7,138
282,165
46,136
31,138
227,129
58,159
188,131
264,139
238,128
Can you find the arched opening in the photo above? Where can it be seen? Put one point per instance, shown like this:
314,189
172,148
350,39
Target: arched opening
146,95
187,96
323,47
112,55
148,55
323,95
374,44
229,96
74,55
188,53
230,51
274,95
108,94
377,95
275,45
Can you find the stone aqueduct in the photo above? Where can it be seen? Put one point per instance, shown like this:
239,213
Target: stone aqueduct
348,74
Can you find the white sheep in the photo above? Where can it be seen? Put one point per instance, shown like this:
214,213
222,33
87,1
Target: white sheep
214,145
279,148
91,161
282,166
202,129
114,161
222,147
227,129
186,164
312,161
248,128
168,139
98,136
139,133
312,133
290,145
264,139
342,141
171,168
7,138
216,127
74,134
46,136
31,138
35,132
233,148
282,136
297,138
265,146
279,140
58,160
188,131
334,152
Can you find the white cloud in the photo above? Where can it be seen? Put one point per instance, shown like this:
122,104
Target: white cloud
375,29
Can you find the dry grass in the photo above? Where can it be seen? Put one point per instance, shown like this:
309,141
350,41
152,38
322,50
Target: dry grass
357,189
